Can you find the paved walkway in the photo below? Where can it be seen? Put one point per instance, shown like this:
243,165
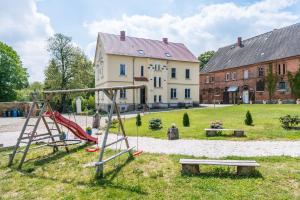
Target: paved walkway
207,148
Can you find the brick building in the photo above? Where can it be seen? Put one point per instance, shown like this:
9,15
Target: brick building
238,71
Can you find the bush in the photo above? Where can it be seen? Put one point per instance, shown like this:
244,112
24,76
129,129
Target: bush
155,124
289,122
248,120
91,102
186,120
138,120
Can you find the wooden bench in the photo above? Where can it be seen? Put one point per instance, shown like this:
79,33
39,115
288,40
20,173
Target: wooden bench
210,132
244,167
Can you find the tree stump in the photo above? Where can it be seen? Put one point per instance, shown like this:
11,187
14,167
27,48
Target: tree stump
190,169
173,133
238,133
96,120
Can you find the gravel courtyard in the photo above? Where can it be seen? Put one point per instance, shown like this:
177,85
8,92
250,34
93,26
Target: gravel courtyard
10,129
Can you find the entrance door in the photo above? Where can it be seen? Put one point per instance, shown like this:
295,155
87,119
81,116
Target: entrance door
246,96
225,97
143,95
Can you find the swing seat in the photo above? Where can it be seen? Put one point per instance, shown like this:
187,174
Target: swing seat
137,153
92,149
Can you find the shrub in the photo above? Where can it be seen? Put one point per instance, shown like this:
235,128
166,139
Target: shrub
91,102
289,122
186,120
155,124
248,120
138,120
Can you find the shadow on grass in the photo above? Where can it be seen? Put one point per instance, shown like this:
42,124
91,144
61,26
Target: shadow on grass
224,174
45,159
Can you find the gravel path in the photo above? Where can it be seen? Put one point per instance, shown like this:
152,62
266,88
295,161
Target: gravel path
207,148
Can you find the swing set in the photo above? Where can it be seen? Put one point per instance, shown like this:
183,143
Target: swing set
56,137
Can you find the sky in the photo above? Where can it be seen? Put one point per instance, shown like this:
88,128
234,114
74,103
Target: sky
201,25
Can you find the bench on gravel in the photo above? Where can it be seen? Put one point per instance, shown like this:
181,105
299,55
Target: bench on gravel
244,167
210,132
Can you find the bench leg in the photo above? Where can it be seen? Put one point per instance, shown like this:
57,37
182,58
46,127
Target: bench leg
245,170
190,169
211,133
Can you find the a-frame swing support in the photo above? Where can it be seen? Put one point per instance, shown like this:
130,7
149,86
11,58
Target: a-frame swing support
111,93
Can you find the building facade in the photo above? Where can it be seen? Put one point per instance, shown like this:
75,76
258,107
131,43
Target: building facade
169,71
238,72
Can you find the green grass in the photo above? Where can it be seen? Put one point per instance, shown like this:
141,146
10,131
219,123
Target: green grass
149,176
265,117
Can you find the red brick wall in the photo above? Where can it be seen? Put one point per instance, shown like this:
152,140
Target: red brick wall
209,91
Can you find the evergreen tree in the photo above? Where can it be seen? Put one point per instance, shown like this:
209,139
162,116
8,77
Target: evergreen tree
186,120
138,120
248,120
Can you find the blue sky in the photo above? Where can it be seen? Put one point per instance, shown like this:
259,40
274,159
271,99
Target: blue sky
200,25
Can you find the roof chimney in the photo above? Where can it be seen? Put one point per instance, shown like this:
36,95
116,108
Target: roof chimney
239,42
165,40
122,35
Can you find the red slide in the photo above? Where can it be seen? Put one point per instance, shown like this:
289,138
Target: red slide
72,126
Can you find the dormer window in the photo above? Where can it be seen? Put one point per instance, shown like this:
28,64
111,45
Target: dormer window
141,52
168,55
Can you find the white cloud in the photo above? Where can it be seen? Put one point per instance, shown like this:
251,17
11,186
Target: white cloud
213,26
26,30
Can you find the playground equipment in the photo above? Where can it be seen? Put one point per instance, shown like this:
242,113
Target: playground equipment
45,111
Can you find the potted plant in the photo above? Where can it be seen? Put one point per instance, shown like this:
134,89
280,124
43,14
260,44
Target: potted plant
63,136
88,130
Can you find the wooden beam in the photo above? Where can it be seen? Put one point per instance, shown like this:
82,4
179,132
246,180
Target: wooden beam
94,89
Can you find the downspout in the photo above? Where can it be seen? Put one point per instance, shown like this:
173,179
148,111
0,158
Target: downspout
133,82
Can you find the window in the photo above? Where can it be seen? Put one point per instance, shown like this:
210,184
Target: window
157,67
122,70
282,85
187,93
281,69
227,77
212,79
159,81
246,74
207,79
155,98
159,98
187,73
142,70
233,75
141,52
154,81
260,86
123,94
261,72
168,55
173,93
173,73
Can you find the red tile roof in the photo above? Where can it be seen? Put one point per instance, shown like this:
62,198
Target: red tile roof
151,48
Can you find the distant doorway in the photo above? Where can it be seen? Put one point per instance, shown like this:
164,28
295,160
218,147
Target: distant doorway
225,97
143,95
246,96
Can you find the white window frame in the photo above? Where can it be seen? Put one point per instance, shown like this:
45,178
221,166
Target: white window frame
122,65
173,93
207,79
187,93
187,72
246,74
123,94
233,76
227,76
172,72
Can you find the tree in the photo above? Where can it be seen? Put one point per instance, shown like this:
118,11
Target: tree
138,120
186,120
271,81
13,76
68,68
248,120
205,57
25,94
294,81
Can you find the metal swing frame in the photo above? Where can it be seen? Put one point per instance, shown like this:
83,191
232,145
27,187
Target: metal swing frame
111,93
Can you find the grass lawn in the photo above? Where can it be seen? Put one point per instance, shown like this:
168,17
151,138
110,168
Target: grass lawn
265,117
149,176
